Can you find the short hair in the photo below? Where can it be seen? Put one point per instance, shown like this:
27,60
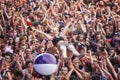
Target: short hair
27,62
97,33
8,54
18,73
41,46
101,48
96,77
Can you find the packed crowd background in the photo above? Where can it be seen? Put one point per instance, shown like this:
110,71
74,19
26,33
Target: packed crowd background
91,26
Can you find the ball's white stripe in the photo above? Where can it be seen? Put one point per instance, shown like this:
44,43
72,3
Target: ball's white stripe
45,69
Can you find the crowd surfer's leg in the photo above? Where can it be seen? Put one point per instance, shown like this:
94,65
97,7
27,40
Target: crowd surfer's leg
63,50
73,50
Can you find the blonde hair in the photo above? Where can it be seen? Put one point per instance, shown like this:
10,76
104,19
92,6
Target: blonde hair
54,29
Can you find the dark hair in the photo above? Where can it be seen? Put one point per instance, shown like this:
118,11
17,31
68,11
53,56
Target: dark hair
97,33
101,48
8,54
41,46
18,73
27,62
96,77
114,6
29,28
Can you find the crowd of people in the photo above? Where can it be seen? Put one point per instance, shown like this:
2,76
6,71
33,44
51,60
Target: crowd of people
83,35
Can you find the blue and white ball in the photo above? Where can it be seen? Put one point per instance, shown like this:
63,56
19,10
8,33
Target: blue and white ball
45,64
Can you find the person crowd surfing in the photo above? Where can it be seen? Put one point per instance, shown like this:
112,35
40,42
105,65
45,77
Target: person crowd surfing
83,35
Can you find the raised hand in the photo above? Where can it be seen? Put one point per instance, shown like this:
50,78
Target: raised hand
70,64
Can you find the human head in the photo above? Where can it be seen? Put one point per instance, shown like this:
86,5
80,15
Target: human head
97,36
64,70
29,64
55,31
18,75
8,57
41,49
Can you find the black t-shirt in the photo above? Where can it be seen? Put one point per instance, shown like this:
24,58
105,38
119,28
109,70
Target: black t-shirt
57,39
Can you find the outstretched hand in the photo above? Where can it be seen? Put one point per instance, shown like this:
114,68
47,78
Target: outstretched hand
33,28
96,65
70,64
106,53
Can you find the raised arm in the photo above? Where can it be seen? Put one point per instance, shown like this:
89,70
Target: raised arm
1,29
78,74
106,43
47,11
84,75
107,73
110,66
23,21
8,17
71,70
66,28
99,69
3,19
43,33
